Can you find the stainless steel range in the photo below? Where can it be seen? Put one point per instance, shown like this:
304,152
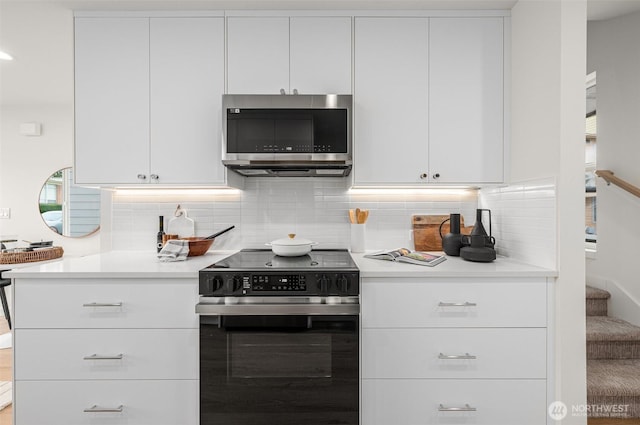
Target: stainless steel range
279,339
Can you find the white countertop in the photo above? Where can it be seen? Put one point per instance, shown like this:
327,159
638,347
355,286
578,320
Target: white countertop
127,264
145,264
451,267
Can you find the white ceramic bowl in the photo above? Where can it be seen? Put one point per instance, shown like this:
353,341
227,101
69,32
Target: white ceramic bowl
291,247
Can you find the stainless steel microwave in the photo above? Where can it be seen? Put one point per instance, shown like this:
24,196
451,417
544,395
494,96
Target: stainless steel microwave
287,135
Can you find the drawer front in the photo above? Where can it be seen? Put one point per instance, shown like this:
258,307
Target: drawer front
118,303
429,402
454,353
76,354
454,303
143,402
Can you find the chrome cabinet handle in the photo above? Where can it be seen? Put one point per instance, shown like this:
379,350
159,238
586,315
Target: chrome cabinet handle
282,91
102,304
464,304
436,176
96,409
154,177
423,176
465,356
465,408
295,91
142,176
99,357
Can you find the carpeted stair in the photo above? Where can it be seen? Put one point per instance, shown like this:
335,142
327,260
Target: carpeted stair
613,361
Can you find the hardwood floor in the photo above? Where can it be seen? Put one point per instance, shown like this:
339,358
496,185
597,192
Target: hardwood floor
6,361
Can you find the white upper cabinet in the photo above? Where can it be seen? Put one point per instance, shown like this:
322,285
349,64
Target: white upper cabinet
187,83
429,100
391,100
111,100
466,100
257,55
307,55
148,100
320,55
428,92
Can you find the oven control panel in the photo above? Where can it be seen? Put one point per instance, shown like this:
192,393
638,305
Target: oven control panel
291,284
286,283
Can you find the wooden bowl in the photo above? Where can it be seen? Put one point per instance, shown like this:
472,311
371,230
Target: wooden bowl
198,246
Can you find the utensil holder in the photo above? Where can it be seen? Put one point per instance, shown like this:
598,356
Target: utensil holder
358,237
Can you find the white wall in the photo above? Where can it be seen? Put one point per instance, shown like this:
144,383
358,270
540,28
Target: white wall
269,209
524,220
37,86
548,103
614,55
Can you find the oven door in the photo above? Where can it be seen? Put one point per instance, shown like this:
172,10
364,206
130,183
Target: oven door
279,369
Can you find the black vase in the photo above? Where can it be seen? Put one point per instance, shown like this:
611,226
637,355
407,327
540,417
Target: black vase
452,241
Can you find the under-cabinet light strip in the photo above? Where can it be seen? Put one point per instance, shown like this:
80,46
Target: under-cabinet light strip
173,192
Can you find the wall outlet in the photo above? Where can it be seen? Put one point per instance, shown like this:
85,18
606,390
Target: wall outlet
5,212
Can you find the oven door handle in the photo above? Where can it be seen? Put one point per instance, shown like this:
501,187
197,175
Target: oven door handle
204,309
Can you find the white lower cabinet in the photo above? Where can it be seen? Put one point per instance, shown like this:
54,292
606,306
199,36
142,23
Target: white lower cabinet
415,303
444,401
106,351
149,402
105,303
454,351
107,354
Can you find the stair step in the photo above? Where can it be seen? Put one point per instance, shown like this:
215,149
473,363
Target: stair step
612,338
613,388
597,293
596,300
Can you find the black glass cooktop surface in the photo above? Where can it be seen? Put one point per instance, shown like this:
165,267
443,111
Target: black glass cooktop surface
265,259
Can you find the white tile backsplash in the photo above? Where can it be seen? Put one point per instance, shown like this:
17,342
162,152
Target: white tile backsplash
524,220
270,208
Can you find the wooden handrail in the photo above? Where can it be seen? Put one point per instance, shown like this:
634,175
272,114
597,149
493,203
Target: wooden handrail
608,176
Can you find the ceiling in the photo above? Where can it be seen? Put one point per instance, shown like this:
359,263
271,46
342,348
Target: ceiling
39,33
597,9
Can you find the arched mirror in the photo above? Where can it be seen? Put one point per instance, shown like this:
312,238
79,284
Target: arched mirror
67,209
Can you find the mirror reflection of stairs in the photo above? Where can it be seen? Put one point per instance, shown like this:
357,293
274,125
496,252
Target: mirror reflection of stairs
613,361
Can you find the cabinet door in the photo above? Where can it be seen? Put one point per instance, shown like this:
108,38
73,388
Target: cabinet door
187,83
466,100
391,110
111,100
434,401
459,353
106,303
80,354
452,302
320,55
122,402
258,55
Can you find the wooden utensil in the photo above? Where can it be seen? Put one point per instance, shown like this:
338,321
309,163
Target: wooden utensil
352,216
365,216
358,215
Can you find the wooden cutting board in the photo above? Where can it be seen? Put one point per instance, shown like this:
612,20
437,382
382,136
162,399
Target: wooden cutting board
181,225
426,235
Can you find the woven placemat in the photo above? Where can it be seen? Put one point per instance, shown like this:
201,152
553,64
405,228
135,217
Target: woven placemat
31,256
